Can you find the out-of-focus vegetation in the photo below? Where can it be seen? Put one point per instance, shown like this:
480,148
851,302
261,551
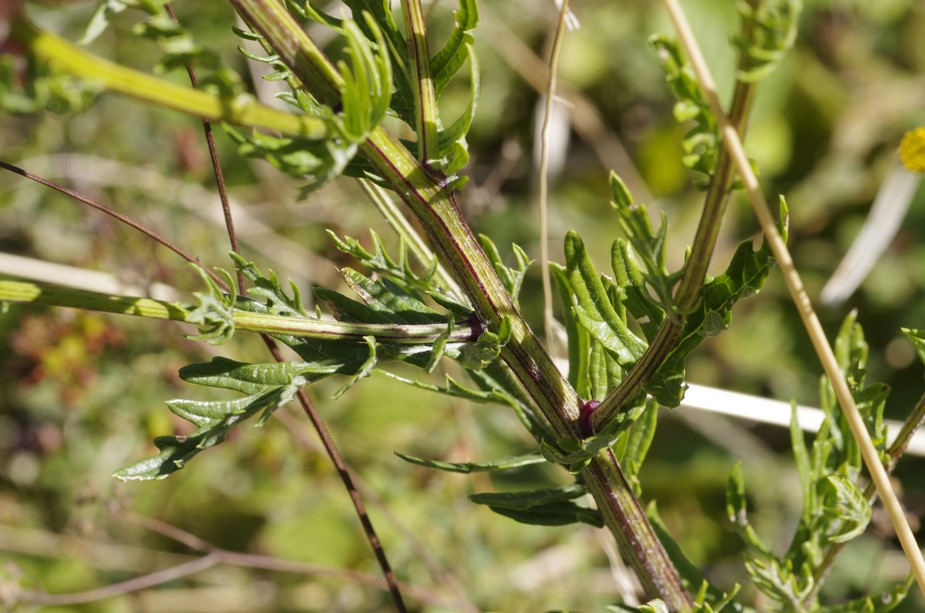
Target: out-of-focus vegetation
82,394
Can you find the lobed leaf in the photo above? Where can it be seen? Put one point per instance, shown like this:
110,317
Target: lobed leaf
268,386
594,310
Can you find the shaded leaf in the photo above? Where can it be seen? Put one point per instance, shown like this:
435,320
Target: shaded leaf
546,507
474,467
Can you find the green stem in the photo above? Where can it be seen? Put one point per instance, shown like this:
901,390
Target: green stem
691,284
53,295
424,192
242,110
425,99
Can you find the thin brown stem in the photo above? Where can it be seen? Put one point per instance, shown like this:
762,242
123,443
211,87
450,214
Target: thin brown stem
548,321
153,235
343,472
328,442
216,165
135,584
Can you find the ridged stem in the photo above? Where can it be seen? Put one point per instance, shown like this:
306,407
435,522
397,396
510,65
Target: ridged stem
424,192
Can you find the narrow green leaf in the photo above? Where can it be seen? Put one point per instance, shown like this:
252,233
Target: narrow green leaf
557,514
594,311
632,287
736,510
448,60
530,499
801,457
547,507
364,370
253,378
215,421
633,445
579,341
474,467
917,338
512,278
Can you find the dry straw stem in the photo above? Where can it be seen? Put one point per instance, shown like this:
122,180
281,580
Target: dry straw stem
798,294
548,321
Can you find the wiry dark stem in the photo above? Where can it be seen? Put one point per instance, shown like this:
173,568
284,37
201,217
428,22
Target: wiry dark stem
128,221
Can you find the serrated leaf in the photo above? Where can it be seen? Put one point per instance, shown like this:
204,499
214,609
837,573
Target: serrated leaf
735,496
364,370
557,514
390,300
214,420
511,278
603,371
399,271
647,244
214,315
594,311
252,378
847,503
768,32
631,284
702,141
634,442
449,59
802,460
531,498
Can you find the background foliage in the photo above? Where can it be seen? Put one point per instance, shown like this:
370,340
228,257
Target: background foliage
83,394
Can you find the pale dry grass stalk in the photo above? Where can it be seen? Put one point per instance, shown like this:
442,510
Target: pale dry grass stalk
798,294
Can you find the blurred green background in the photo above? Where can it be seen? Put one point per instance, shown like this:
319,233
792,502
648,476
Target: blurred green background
82,394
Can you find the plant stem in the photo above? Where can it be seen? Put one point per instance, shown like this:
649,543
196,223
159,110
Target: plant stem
425,99
53,295
436,210
548,320
690,286
800,298
241,110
